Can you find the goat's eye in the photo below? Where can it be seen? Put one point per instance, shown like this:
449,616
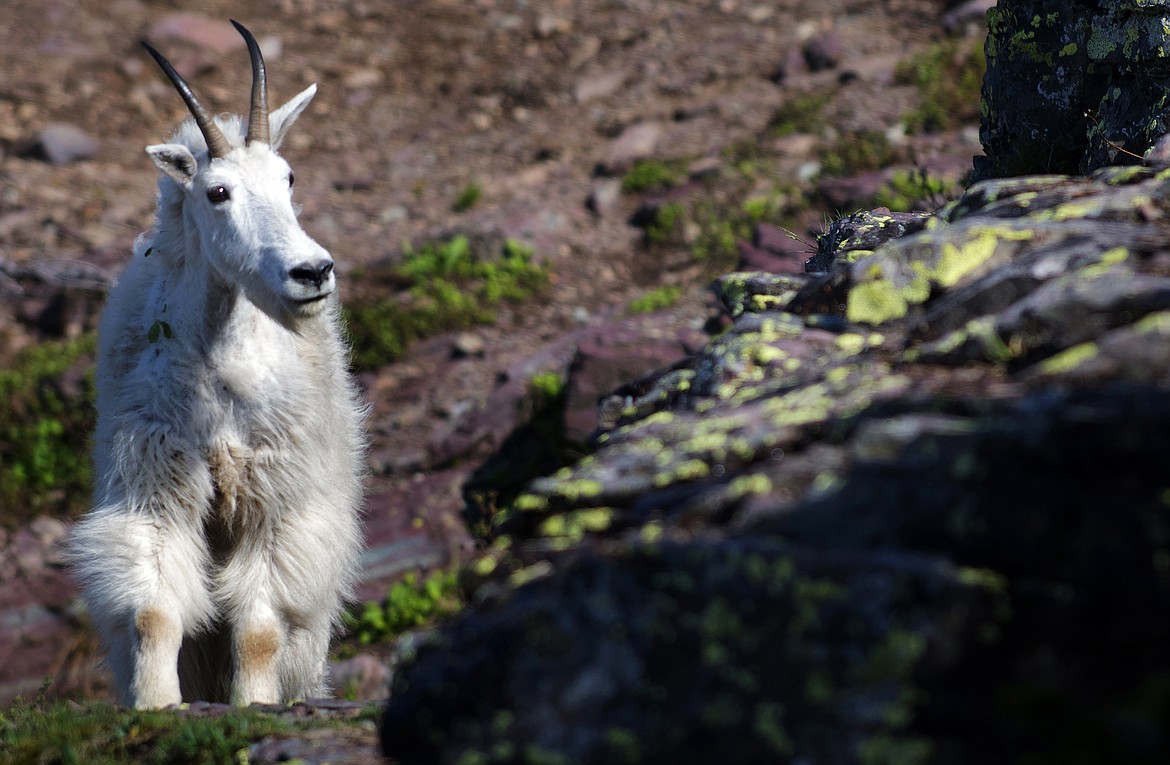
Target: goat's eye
218,195
291,179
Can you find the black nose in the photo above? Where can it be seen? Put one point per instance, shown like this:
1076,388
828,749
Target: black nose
312,273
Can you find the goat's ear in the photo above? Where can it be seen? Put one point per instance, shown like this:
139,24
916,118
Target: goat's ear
175,160
284,117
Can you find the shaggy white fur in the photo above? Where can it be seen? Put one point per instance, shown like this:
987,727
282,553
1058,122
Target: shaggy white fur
224,534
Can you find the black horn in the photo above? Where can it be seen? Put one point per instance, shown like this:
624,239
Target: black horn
217,143
258,113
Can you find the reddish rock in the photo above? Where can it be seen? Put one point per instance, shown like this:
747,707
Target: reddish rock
197,31
415,524
855,191
615,353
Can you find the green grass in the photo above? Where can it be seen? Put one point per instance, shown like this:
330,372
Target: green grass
801,114
949,78
409,604
45,430
908,188
656,299
667,225
650,175
65,733
451,287
468,197
858,152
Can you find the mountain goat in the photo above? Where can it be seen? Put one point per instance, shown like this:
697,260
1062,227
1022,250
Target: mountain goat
230,439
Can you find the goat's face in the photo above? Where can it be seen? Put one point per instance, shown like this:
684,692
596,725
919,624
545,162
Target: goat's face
246,228
238,201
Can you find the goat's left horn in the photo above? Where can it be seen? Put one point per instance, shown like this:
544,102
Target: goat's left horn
258,113
217,143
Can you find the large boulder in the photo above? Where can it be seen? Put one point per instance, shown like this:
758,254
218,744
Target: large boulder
909,508
1073,85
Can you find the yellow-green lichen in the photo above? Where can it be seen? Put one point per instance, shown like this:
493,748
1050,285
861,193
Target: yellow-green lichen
1154,323
752,483
574,525
1069,359
886,287
690,470
530,503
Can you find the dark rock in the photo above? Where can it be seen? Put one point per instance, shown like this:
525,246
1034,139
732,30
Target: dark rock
1051,100
956,558
823,51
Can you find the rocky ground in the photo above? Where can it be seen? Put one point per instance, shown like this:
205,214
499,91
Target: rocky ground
543,107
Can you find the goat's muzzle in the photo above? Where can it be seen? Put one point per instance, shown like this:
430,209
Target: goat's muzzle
313,274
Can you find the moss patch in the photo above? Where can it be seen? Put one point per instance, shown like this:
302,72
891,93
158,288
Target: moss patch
45,426
450,287
101,734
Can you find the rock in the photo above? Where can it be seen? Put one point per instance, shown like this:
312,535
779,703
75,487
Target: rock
635,142
197,31
846,193
793,63
957,556
61,143
1050,100
610,355
604,197
823,51
467,345
363,677
972,13
597,86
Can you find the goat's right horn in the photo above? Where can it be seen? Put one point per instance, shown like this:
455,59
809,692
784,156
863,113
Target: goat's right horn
217,143
258,111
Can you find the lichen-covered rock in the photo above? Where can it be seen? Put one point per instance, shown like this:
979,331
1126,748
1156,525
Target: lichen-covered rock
1072,85
910,509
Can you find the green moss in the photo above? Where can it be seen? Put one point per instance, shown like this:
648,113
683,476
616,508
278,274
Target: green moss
409,604
858,152
101,734
666,226
451,287
574,525
907,189
657,299
949,77
44,431
650,175
801,114
547,386
468,197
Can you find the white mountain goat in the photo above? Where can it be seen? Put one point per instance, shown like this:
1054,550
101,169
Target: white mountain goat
230,439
